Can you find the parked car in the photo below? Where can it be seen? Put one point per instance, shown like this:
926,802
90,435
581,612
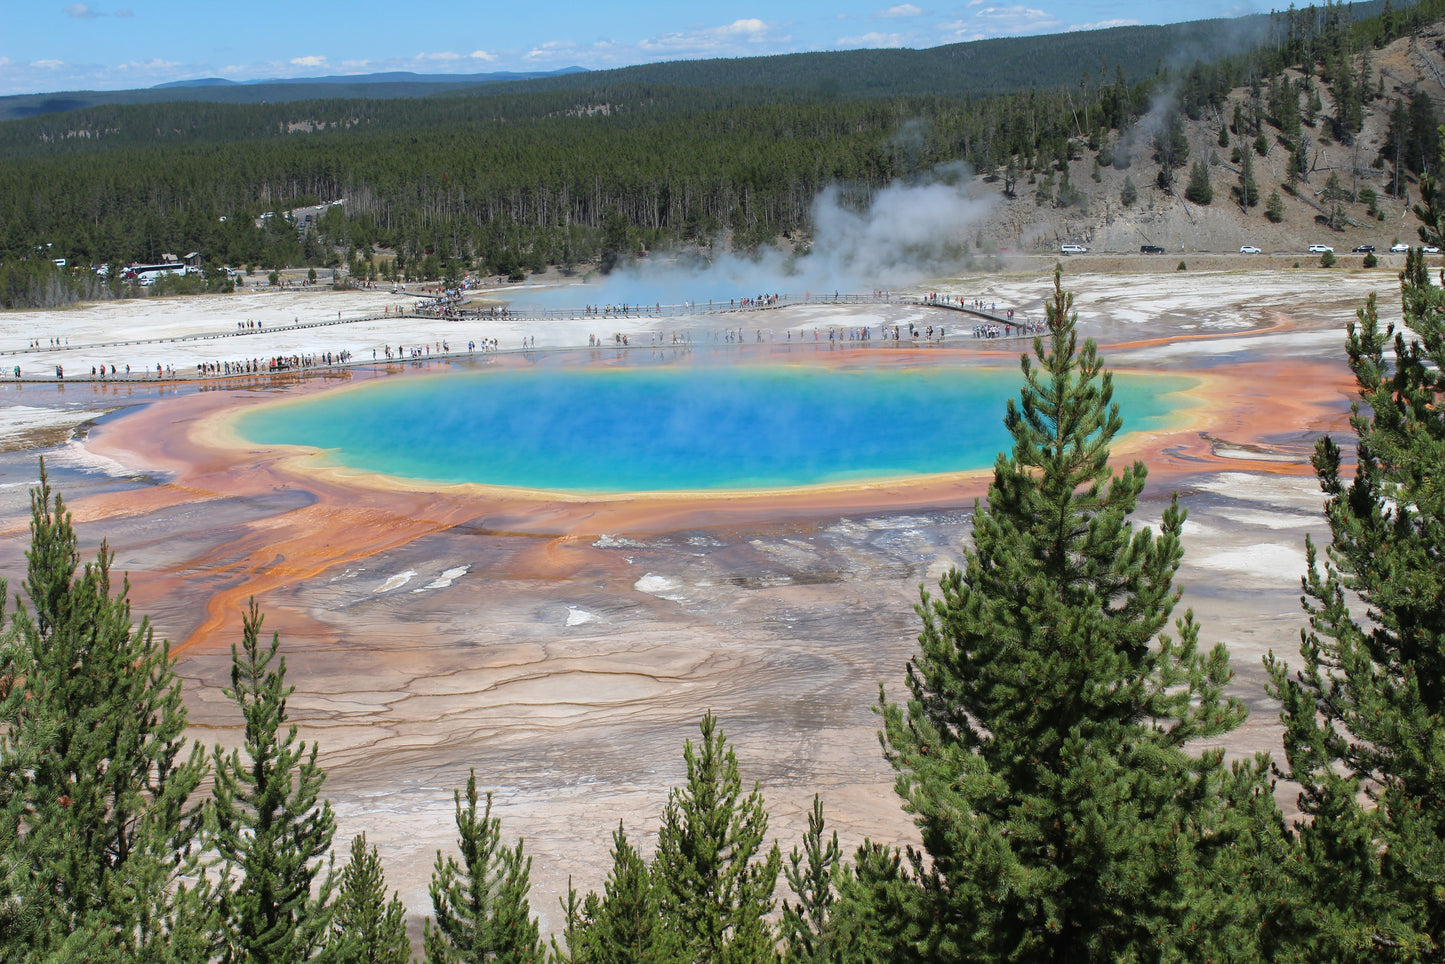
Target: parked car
1073,249
1150,249
1364,249
1399,246
1321,249
1248,249
1430,249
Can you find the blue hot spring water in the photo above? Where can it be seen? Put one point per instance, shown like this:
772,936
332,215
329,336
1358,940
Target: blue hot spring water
655,428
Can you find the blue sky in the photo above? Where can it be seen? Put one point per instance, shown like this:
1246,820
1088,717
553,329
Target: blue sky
52,46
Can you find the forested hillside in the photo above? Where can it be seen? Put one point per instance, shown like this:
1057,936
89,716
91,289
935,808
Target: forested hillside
513,182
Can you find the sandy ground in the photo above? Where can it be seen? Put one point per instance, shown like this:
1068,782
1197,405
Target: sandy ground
565,648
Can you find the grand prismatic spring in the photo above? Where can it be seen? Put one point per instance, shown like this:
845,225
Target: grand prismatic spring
645,428
564,642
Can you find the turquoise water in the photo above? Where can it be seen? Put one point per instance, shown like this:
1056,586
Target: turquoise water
673,427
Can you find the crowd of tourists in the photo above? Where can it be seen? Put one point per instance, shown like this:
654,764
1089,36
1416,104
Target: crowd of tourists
445,305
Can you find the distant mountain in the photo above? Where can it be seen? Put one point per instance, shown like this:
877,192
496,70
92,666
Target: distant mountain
407,77
391,77
979,67
199,82
387,86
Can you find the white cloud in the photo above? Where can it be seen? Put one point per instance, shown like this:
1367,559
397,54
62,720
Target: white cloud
1105,24
152,64
4,61
125,14
482,55
751,27
555,50
312,61
902,10
1015,13
739,38
355,64
48,64
996,21
871,39
443,55
82,11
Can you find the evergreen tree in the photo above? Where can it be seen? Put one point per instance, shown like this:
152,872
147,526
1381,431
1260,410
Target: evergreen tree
1349,106
1286,110
1274,207
1128,194
1171,144
481,905
880,914
1200,191
1248,190
367,927
1045,748
624,925
1423,148
97,847
715,892
1365,711
810,929
271,825
1333,191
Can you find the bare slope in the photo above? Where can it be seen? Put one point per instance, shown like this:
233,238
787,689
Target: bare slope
1034,221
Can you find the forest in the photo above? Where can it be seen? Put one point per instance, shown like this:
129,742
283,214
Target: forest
574,172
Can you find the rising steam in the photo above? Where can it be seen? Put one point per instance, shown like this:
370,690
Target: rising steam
861,240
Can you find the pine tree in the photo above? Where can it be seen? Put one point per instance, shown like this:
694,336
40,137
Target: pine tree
624,925
98,843
1274,207
715,892
1200,191
1171,144
1128,194
880,915
368,928
1248,190
1365,712
809,928
271,824
1424,135
481,905
1046,748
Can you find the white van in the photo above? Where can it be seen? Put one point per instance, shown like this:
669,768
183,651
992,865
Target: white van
1073,249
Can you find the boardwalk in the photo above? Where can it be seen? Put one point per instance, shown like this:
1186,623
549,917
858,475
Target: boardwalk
986,323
